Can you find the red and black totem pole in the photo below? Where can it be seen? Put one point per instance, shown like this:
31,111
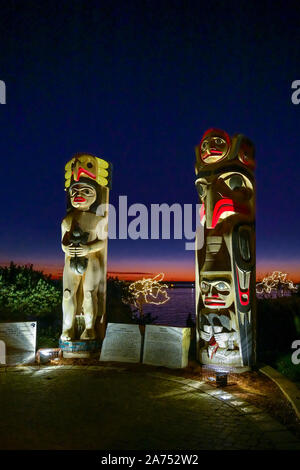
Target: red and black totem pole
225,263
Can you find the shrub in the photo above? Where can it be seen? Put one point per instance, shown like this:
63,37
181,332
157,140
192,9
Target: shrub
285,366
278,325
26,294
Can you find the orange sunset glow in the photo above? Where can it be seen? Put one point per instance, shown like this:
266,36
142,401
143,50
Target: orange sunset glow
175,270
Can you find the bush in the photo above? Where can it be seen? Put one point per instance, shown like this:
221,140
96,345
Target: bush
27,295
285,366
278,325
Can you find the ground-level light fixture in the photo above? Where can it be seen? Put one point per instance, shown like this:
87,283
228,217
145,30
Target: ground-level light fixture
221,378
217,375
45,355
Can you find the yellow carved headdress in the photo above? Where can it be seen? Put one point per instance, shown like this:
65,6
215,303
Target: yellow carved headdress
87,166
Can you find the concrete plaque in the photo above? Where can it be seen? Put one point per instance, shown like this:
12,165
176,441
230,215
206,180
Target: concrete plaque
20,341
166,346
122,343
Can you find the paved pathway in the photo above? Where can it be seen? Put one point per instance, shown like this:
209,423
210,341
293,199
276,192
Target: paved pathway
109,408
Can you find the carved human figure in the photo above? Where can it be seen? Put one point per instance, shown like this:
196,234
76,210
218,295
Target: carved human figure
84,238
225,185
218,324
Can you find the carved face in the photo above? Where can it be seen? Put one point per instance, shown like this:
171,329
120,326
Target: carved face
82,196
216,293
223,195
86,166
214,146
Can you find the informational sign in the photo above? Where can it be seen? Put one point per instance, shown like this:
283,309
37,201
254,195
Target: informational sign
20,341
166,346
122,343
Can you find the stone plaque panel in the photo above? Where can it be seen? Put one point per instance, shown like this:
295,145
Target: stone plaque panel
166,346
122,343
20,341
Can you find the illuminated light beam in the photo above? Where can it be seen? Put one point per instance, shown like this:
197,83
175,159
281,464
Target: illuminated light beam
149,291
276,282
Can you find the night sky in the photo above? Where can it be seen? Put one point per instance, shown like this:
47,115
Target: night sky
138,83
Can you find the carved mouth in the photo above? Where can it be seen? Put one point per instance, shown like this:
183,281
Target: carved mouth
79,199
214,301
212,153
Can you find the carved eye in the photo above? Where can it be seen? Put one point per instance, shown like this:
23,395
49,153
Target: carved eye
204,286
219,141
204,145
90,165
235,182
221,286
201,188
87,192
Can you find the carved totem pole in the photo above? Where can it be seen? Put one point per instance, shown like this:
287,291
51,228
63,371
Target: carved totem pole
225,264
84,242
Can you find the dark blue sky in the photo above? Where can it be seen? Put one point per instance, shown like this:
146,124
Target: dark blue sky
138,83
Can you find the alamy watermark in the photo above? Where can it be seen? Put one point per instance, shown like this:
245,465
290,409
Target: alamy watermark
2,92
296,354
157,222
296,94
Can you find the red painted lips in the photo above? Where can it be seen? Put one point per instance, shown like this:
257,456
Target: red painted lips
212,153
79,199
214,301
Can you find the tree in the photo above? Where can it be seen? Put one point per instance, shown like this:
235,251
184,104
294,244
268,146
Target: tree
118,299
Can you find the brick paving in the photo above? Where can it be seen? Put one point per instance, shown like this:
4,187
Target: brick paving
111,408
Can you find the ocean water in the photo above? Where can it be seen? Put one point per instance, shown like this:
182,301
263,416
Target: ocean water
177,310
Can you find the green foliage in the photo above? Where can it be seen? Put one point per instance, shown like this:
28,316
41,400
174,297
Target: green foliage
278,326
48,336
26,294
297,324
285,366
30,295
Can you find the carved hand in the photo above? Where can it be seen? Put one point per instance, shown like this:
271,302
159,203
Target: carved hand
66,249
73,251
79,251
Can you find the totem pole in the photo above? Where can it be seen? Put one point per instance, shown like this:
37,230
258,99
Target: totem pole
225,264
84,242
